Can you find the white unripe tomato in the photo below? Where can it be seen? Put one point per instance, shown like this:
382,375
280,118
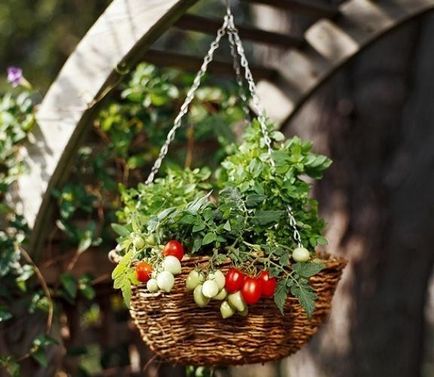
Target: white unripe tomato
165,281
194,278
301,254
221,295
210,289
226,310
219,278
172,264
199,298
237,302
152,285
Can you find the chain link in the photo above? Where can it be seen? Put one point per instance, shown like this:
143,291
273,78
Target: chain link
237,48
256,103
293,223
190,96
239,77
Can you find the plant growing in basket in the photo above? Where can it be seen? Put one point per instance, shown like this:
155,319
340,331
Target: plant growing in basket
243,214
216,264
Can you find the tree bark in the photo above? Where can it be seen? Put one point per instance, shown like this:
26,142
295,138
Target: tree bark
375,120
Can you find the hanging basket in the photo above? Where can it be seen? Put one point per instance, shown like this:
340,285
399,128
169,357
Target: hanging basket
180,332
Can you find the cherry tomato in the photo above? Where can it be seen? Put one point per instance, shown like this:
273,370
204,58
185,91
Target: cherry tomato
234,280
268,284
174,248
251,290
300,254
143,271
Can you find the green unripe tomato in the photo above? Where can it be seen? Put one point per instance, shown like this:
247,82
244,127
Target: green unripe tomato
221,295
219,278
138,242
199,298
165,281
210,289
150,240
152,285
172,264
226,310
237,302
300,254
194,278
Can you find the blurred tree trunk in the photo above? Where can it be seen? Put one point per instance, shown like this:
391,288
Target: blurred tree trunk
376,121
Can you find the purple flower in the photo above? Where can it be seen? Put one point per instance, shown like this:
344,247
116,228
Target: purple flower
15,76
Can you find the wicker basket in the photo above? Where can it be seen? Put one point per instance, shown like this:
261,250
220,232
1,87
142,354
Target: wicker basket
178,331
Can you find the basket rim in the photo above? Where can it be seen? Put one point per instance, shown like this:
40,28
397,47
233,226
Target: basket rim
328,259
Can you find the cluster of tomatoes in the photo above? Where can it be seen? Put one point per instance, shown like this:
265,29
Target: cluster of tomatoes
163,278
235,290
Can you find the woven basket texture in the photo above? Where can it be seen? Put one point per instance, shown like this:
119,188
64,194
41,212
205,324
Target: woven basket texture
180,332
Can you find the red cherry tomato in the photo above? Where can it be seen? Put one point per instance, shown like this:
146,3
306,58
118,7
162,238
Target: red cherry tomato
234,280
174,248
268,284
143,271
252,290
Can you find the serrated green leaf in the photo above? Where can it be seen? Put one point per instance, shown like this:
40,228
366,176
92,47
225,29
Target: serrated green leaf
267,217
308,269
305,295
281,295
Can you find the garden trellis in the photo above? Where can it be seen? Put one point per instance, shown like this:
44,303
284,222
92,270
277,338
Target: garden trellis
124,34
66,110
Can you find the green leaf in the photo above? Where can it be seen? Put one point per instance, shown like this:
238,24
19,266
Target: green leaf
253,200
281,295
123,276
4,314
209,237
69,283
40,356
12,367
198,227
267,217
121,230
306,296
85,242
308,269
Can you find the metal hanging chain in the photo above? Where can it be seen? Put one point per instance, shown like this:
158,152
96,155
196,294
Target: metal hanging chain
190,96
293,223
239,77
233,32
236,48
256,103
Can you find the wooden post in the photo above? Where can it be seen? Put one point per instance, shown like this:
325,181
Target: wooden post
114,44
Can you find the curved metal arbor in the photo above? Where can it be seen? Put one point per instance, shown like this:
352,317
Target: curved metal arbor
123,35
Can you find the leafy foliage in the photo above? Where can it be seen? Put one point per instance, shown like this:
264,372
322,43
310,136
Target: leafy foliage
246,220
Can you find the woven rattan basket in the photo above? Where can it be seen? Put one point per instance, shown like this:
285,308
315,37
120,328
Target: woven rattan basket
178,331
